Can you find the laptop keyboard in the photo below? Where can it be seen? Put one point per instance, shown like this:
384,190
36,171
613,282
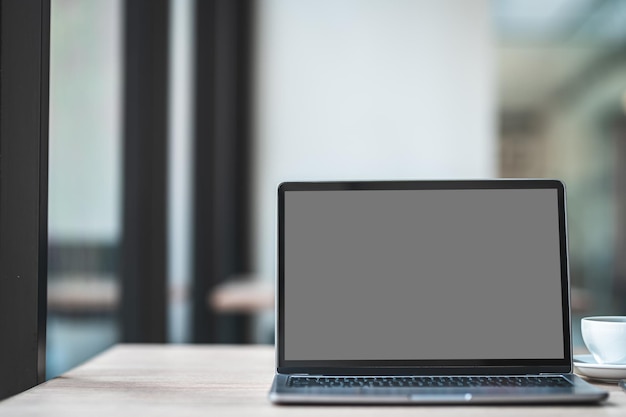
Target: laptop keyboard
427,381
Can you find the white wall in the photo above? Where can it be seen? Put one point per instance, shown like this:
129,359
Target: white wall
370,89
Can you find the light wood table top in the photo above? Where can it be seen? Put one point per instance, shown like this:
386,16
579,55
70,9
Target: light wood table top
218,380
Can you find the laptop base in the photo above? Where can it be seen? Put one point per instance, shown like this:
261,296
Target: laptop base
579,392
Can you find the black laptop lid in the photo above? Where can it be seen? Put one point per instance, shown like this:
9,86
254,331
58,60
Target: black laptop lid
423,277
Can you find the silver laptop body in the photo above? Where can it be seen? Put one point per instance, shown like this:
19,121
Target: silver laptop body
424,292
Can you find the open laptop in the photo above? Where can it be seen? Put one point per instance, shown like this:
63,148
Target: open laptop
424,292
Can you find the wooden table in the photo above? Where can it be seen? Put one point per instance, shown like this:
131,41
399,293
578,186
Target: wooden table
218,380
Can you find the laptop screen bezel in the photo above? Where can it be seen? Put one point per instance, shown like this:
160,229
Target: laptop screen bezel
431,367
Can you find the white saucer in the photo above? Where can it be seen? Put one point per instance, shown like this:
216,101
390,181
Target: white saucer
586,365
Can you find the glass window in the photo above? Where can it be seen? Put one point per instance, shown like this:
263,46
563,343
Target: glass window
369,90
84,180
562,95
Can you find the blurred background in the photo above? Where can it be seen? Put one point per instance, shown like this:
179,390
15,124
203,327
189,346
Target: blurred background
172,122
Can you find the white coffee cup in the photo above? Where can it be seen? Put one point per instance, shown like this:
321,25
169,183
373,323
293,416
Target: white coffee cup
605,337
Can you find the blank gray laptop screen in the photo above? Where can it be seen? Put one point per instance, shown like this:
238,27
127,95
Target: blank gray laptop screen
422,274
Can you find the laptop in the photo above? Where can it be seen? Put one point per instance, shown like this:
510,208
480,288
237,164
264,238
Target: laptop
424,292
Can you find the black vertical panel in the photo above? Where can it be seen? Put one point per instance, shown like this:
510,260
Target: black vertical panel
618,132
143,255
24,69
222,157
